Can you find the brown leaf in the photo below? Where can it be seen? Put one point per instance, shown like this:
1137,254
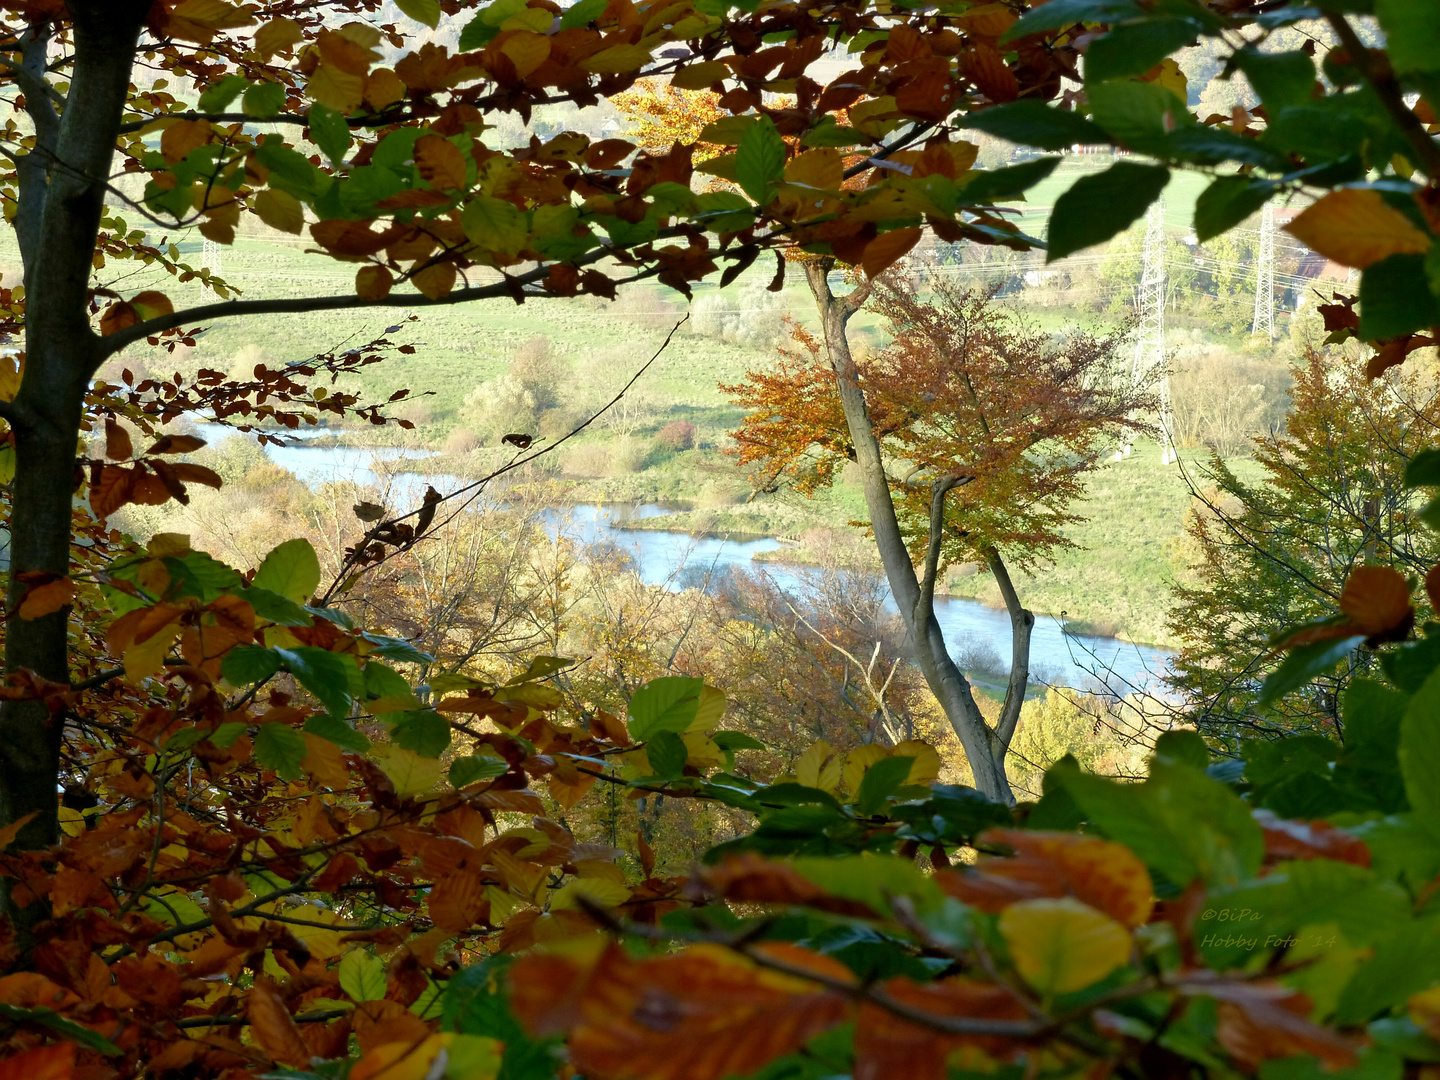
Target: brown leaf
373,282
111,490
1262,1021
518,440
887,1045
273,1026
457,902
1286,840
197,474
118,446
183,136
751,878
56,1062
1376,598
627,1017
888,248
118,316
440,162
47,597
176,444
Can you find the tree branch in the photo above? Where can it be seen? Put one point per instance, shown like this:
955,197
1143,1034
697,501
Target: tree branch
1022,622
1382,80
925,604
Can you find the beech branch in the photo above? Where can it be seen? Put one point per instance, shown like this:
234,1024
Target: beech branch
1382,80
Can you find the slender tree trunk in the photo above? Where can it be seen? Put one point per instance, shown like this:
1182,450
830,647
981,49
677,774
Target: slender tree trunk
984,747
1022,622
63,194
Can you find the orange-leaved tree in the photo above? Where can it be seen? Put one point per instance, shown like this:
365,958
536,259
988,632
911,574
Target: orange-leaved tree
986,429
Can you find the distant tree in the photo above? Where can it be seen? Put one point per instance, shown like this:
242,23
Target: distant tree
975,435
1270,555
677,435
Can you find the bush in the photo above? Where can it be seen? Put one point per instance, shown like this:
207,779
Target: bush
677,435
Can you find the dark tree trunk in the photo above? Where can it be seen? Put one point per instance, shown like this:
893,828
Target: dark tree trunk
62,197
984,747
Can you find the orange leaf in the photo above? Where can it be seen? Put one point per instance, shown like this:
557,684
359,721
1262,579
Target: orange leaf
117,317
42,1063
348,238
383,88
30,990
457,902
278,35
568,784
627,1017
1286,840
1262,1021
176,444
887,1045
325,762
111,491
7,837
887,248
1357,227
152,304
373,283
440,162
43,599
273,1026
183,136
117,441
197,474
1376,598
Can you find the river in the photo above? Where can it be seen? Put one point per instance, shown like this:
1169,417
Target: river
662,558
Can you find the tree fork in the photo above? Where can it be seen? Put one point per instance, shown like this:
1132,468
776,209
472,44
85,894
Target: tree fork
66,196
947,682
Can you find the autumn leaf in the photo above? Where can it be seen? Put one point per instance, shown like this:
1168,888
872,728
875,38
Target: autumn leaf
887,249
1377,598
44,598
1062,945
888,1045
1262,1021
116,317
440,163
373,282
280,210
55,1062
1357,227
436,280
278,35
183,136
273,1026
117,441
457,902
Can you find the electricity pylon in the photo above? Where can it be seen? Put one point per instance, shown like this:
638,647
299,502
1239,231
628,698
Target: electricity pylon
1150,334
210,257
1265,276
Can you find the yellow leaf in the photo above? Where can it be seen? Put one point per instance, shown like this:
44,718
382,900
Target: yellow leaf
598,891
147,657
9,377
1167,73
436,280
824,168
702,751
410,773
325,762
857,761
1062,945
278,35
536,19
340,90
466,1057
280,210
1356,227
926,767
528,51
710,710
616,60
811,769
700,76
71,823
373,283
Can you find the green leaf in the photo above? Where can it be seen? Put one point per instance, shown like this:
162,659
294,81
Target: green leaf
476,1002
666,753
879,781
1405,965
1394,298
383,681
291,569
872,879
396,148
263,100
289,169
829,133
582,14
228,734
362,976
272,607
1227,202
665,704
1135,48
494,224
1099,207
397,649
1369,765
199,574
481,30
1061,13
217,98
1419,753
760,160
68,1028
329,131
1140,115
424,731
996,185
323,673
1303,663
1423,470
422,11
247,664
1412,34
338,732
471,770
1281,79
282,748
1183,747
1032,123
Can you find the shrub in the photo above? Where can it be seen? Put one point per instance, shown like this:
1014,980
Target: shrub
677,435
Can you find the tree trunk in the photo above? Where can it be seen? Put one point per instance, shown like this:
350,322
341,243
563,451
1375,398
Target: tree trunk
984,748
1022,622
61,355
